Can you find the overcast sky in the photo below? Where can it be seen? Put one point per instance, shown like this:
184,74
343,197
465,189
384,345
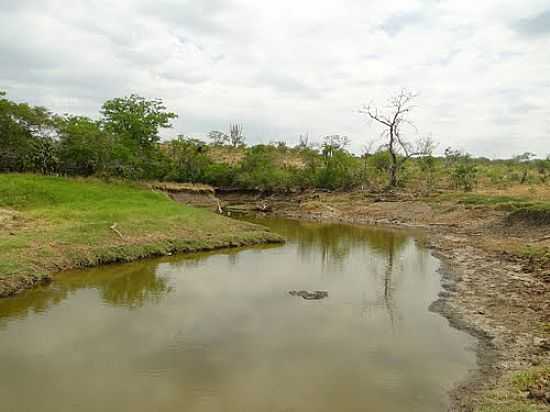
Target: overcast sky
284,68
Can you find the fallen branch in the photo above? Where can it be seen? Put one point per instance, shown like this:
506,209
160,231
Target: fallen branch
114,229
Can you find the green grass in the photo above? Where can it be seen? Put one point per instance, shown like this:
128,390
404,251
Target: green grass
51,223
521,209
510,395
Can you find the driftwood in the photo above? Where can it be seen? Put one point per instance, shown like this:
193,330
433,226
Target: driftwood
315,295
114,229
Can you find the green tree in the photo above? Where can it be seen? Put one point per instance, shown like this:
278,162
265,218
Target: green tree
259,170
136,120
338,164
26,137
523,160
85,148
218,138
189,159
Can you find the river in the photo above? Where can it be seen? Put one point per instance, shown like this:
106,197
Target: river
220,331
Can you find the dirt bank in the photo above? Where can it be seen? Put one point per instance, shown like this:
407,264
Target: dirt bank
496,282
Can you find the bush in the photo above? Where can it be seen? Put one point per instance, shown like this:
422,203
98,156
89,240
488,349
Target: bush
464,176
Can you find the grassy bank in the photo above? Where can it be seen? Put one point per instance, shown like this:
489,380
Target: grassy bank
48,224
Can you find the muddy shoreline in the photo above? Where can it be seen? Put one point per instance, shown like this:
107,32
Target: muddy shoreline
488,292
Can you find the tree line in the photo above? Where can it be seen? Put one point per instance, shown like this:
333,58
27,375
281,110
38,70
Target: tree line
125,143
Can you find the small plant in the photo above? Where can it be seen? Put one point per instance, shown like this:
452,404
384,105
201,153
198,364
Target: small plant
464,176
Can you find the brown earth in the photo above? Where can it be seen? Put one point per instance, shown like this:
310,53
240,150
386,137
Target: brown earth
493,287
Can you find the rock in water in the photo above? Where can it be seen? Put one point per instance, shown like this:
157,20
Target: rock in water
307,295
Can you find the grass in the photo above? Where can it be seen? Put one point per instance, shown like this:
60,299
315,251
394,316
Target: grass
49,224
510,396
522,209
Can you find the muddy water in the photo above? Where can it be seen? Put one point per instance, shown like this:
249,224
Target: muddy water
220,332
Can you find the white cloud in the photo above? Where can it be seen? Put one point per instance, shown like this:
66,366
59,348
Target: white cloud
284,68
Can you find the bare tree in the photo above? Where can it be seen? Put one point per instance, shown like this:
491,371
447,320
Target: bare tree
304,141
393,117
333,143
236,136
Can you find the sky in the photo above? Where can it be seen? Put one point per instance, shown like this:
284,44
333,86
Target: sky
480,69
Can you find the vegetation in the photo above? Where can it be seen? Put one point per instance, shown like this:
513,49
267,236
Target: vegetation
518,392
393,119
124,142
53,223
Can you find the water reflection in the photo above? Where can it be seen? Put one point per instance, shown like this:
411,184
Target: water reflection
130,285
334,242
219,331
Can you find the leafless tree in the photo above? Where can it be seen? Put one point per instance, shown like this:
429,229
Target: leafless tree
236,136
393,117
304,141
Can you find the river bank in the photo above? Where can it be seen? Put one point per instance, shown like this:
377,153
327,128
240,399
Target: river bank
496,279
52,224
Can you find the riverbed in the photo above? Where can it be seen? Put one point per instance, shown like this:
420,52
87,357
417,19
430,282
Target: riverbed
220,331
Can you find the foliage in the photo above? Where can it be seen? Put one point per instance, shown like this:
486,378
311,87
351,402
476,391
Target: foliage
85,148
188,160
258,169
464,176
218,138
136,120
338,166
25,137
464,171
125,143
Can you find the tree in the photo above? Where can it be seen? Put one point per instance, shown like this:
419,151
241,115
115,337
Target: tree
523,160
338,163
218,138
393,117
463,170
189,159
333,143
236,137
543,168
136,120
85,148
26,137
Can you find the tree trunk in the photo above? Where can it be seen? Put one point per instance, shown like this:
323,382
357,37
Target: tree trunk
393,166
393,175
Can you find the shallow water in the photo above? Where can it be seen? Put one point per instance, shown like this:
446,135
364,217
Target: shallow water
220,332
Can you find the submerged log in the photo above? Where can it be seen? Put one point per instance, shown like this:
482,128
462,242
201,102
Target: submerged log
315,295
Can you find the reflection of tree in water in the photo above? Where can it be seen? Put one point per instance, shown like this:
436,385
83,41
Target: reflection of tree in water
35,301
388,286
131,285
334,242
393,249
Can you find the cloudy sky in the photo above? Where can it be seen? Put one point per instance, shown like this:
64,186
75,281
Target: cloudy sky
283,68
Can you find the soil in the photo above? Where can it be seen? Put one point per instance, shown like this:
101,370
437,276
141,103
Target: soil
491,288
